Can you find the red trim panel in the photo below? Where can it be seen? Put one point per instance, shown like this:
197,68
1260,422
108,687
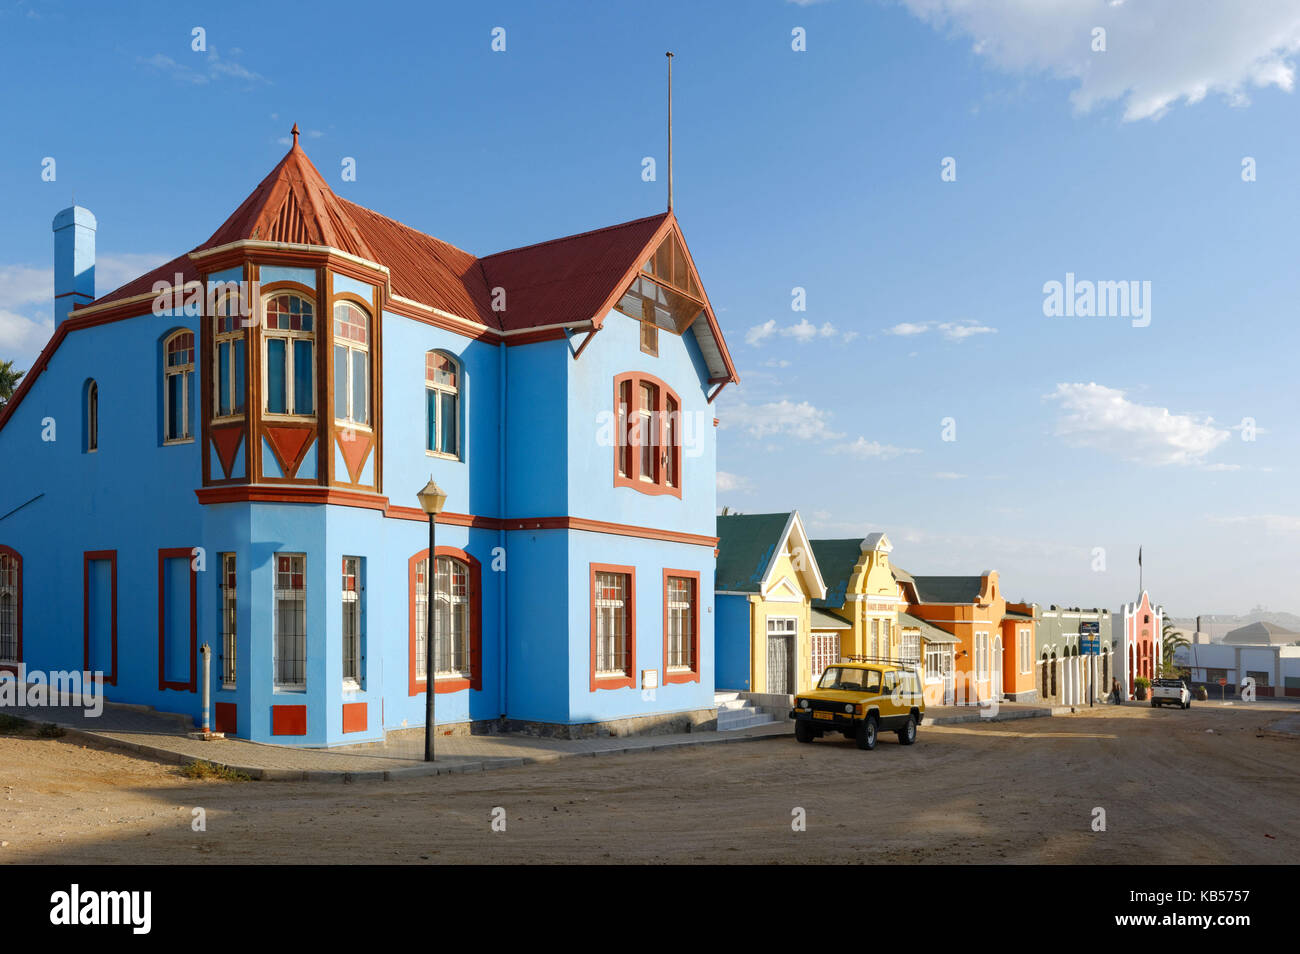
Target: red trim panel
354,717
288,720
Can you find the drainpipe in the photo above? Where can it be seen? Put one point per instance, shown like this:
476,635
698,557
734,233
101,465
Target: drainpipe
503,644
207,686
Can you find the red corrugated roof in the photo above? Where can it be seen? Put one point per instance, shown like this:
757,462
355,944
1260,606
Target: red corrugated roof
561,281
143,284
568,279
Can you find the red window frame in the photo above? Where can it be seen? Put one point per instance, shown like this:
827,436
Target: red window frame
111,556
692,674
628,679
475,680
666,477
18,605
187,554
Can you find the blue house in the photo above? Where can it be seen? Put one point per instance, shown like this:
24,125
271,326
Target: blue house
227,451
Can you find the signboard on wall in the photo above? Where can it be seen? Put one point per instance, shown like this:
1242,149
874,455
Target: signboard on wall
1090,628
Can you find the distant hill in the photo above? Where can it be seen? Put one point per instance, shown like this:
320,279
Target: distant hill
1220,623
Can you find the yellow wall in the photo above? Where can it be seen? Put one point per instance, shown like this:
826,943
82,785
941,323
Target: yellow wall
760,608
872,579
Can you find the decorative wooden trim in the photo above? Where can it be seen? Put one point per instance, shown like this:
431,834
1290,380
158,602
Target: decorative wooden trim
693,674
18,605
187,554
441,686
240,493
598,526
628,679
87,557
625,442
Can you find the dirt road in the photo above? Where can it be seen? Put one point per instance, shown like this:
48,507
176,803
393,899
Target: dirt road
1202,786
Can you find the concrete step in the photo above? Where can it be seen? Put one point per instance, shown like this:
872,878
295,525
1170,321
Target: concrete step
757,718
731,705
720,697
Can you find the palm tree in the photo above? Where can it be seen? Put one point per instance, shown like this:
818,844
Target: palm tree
9,378
1170,641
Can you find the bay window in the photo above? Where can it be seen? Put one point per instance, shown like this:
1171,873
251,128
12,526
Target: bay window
229,360
288,356
351,364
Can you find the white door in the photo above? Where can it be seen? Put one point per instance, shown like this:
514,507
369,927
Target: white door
997,668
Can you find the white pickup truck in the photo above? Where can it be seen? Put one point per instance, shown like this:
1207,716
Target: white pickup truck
1170,692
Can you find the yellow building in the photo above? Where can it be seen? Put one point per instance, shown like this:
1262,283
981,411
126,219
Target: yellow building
862,592
765,583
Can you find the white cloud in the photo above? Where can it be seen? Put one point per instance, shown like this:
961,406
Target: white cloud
783,417
203,68
802,332
27,299
949,475
734,482
1093,415
760,333
1157,53
952,330
961,330
907,329
866,449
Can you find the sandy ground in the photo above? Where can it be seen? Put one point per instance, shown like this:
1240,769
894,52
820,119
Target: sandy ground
1022,791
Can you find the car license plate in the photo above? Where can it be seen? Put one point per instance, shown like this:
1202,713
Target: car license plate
823,715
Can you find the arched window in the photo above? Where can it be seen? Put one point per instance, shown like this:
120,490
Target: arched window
229,362
1054,667
178,369
456,621
647,448
288,356
442,379
351,364
91,413
11,608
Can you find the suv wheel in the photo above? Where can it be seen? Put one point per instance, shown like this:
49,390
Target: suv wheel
867,732
907,734
803,731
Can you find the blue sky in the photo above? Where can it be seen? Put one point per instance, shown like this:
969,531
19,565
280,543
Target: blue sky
816,169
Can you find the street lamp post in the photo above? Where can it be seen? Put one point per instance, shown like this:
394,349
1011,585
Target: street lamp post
432,498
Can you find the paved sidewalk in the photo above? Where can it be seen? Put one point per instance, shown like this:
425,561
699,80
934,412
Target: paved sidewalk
164,736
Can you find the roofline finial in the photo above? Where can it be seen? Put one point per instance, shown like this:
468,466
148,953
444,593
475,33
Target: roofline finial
295,135
669,54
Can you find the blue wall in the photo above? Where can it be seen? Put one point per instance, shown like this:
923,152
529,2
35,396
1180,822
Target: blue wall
732,642
530,449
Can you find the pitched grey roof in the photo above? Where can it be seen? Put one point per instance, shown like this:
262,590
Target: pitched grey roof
821,620
929,632
947,589
746,543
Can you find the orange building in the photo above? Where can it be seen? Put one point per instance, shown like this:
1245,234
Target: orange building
993,657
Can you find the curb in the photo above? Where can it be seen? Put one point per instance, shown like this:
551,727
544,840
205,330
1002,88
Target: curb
389,775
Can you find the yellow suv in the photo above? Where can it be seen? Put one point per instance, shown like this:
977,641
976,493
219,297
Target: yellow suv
861,700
